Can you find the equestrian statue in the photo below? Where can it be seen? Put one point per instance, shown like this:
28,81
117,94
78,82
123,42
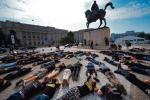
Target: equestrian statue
96,13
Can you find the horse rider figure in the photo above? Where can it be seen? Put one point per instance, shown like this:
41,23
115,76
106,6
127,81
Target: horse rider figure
95,8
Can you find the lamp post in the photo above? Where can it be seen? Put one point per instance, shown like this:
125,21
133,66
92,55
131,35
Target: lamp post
12,41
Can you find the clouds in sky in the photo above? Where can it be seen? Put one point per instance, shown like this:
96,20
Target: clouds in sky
68,14
134,9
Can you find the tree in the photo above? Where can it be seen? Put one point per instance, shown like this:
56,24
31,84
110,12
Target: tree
68,39
2,38
147,36
142,34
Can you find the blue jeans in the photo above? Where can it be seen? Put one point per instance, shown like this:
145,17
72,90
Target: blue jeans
15,96
42,97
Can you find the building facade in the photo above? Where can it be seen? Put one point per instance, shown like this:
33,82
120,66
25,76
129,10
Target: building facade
115,36
79,36
132,39
96,36
33,35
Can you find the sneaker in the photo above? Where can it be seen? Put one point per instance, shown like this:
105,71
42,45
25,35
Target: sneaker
19,82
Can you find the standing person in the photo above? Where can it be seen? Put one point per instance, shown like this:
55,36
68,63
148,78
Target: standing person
91,44
106,41
58,47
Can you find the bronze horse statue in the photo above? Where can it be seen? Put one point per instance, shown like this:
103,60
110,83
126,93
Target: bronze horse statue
100,15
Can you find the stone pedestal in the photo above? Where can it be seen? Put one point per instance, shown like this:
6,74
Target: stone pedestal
98,36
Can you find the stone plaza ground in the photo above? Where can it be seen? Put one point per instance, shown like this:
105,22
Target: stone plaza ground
133,92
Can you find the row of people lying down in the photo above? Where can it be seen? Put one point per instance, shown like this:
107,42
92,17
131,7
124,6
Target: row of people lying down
79,54
26,59
41,73
22,62
54,71
70,69
39,59
6,80
17,67
138,68
92,71
12,58
7,70
111,77
138,50
23,71
48,86
143,85
135,67
118,54
133,62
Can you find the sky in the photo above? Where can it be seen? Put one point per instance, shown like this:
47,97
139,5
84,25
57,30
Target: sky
70,14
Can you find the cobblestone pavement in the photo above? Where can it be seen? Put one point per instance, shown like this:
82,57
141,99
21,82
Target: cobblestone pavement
133,92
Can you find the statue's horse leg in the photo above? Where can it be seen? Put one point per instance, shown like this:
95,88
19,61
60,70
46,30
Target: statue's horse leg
100,22
87,24
105,22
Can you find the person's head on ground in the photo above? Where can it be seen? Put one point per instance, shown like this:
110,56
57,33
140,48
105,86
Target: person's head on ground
104,89
62,65
46,79
55,80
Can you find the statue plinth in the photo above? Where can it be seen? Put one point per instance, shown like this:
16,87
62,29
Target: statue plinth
98,36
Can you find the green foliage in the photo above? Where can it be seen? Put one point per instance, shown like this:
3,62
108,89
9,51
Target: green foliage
144,35
68,39
6,40
2,38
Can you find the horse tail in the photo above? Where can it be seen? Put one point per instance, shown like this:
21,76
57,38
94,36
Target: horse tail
109,4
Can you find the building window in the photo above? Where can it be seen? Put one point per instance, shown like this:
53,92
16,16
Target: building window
41,37
24,37
140,39
30,43
35,43
38,37
29,37
38,43
45,38
33,36
25,44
